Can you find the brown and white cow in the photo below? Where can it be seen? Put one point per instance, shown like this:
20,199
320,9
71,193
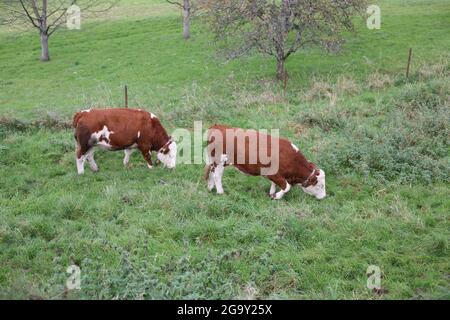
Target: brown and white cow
227,147
121,129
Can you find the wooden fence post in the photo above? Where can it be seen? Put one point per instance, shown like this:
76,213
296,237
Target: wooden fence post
126,96
409,63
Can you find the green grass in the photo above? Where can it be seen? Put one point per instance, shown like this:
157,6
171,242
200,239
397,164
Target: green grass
160,234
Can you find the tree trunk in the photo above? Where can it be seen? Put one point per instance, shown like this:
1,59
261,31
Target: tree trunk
281,69
186,19
44,46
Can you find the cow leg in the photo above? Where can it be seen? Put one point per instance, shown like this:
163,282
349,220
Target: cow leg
282,183
146,153
217,176
82,156
90,159
273,189
126,159
82,136
210,177
80,162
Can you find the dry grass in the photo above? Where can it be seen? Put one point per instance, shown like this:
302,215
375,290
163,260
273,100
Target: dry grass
440,69
379,80
346,86
321,89
269,94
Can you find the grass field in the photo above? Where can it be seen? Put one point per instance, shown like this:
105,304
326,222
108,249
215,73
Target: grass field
382,140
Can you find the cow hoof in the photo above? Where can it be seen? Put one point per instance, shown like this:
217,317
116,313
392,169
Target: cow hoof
276,197
149,166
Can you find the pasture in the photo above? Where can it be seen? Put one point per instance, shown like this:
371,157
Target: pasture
382,139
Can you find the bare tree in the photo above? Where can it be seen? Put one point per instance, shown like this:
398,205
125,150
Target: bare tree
190,8
280,27
46,15
185,5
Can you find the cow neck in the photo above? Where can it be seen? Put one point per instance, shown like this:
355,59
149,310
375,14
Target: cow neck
160,136
310,168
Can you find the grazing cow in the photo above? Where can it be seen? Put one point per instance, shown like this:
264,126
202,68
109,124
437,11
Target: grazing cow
291,167
121,129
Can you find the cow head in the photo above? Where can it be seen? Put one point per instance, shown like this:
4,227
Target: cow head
168,154
315,184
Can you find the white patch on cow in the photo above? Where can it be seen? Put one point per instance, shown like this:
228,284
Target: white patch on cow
149,166
169,159
281,193
139,134
128,153
87,110
223,158
318,190
104,133
273,189
152,115
295,147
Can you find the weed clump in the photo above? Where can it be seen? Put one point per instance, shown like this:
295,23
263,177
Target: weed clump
439,69
379,80
412,145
